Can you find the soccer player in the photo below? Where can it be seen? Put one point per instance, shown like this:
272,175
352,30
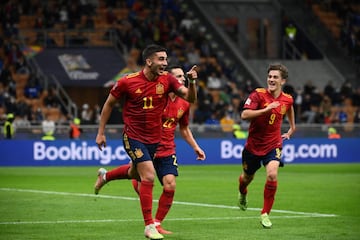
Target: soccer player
145,96
165,162
265,109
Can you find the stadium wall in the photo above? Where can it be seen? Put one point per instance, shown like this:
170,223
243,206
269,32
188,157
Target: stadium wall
218,151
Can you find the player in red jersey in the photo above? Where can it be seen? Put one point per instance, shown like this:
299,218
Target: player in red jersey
265,109
175,113
145,96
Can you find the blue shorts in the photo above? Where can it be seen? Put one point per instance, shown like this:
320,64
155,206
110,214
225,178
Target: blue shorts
166,165
138,151
251,163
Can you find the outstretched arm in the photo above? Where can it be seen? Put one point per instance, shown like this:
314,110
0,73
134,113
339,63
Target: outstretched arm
104,117
187,135
190,93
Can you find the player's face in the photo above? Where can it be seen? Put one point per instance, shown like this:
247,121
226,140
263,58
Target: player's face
178,73
274,80
158,63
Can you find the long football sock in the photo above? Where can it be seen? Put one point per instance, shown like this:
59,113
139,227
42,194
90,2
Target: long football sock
242,185
269,196
146,197
165,203
118,173
135,185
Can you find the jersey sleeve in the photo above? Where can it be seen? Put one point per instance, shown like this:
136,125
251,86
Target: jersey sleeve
118,88
184,120
174,83
252,102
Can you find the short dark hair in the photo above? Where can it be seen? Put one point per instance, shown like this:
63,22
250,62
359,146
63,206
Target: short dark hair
171,67
151,49
278,66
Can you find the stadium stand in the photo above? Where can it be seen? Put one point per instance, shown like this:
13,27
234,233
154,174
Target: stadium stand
229,55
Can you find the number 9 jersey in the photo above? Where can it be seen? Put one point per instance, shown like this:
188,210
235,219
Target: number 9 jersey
265,130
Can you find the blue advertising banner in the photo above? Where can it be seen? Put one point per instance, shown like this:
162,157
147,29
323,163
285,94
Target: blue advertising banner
81,66
218,151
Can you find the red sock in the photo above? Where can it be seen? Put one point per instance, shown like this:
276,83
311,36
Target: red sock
146,197
135,184
118,173
242,186
269,196
165,202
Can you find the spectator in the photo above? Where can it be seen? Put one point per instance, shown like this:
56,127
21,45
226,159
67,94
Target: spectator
51,100
13,55
9,129
238,132
75,129
32,89
332,133
291,31
38,115
226,121
308,112
86,114
21,66
48,128
63,16
96,115
325,110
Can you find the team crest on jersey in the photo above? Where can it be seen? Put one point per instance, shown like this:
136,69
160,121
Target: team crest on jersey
138,153
138,90
283,109
180,113
159,88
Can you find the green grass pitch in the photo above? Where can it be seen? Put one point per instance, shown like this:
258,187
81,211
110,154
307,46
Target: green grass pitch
313,201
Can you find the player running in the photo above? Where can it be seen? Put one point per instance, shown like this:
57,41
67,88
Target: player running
265,109
175,113
145,96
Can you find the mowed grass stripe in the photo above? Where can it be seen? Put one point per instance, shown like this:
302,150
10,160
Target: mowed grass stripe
306,214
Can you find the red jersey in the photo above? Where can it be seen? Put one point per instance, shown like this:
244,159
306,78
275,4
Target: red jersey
265,130
176,111
144,104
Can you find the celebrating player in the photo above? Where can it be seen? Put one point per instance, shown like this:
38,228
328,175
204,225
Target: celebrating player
165,162
265,108
145,96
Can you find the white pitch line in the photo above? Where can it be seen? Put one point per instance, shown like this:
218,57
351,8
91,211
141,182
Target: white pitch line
141,220
175,202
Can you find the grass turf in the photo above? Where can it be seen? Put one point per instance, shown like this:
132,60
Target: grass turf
313,201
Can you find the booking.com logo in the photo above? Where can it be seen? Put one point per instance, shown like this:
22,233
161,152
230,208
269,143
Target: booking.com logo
289,152
78,152
82,151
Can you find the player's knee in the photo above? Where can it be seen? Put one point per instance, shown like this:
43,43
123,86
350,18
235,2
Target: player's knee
272,176
169,184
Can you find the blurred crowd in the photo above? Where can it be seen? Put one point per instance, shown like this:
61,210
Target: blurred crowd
349,12
173,24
